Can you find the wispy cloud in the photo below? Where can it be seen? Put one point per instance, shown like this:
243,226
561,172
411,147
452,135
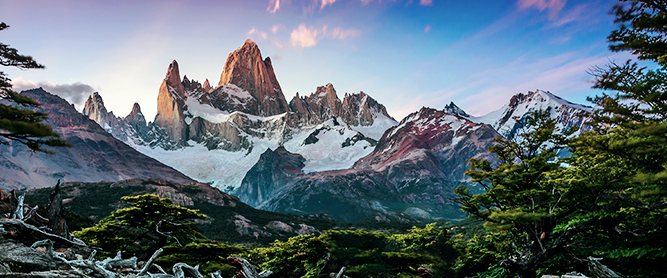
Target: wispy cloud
578,13
276,28
75,93
427,28
553,7
341,34
306,37
274,6
278,44
365,2
326,3
258,35
426,2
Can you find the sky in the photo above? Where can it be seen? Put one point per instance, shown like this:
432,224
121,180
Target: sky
406,54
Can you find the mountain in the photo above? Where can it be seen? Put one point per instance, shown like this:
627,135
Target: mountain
94,156
568,115
229,220
216,135
270,174
410,174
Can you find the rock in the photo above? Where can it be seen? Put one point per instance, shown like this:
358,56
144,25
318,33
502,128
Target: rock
244,68
170,106
207,86
269,175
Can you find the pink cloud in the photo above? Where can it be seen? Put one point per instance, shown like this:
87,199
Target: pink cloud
426,2
365,2
275,28
275,4
278,44
258,35
341,34
427,29
553,7
326,3
304,37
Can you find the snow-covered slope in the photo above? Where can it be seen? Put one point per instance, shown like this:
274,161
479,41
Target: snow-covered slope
211,135
568,115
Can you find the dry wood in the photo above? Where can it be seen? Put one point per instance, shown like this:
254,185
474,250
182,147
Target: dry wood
246,270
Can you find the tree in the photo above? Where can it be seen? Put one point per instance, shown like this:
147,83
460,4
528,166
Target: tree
140,230
525,198
17,122
626,152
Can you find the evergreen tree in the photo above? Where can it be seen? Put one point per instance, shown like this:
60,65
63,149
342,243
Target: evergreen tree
140,230
524,199
625,155
18,122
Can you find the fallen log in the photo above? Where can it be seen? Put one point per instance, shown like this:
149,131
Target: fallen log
23,232
45,274
246,270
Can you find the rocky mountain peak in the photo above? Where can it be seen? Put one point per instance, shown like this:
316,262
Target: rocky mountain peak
170,102
206,86
246,69
451,108
136,109
173,78
95,110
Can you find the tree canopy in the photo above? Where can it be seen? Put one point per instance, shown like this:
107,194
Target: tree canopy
18,123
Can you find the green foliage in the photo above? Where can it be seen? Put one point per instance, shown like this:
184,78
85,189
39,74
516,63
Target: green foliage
363,253
143,228
18,123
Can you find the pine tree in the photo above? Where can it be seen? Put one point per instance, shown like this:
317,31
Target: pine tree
17,122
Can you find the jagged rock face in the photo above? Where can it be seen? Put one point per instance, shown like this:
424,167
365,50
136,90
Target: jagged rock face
170,106
95,110
95,155
324,103
207,86
355,109
136,119
451,108
246,69
568,115
271,173
429,143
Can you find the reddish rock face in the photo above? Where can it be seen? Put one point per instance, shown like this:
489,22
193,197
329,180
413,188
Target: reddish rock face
207,86
246,69
170,102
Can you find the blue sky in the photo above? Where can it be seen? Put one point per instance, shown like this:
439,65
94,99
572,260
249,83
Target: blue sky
406,54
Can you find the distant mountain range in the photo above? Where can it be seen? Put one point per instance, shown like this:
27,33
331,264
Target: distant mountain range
95,155
313,154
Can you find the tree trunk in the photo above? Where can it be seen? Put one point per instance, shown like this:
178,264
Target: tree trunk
56,214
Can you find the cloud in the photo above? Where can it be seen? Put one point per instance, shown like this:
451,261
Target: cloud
365,2
341,34
326,3
552,6
275,28
426,2
278,44
578,13
304,37
259,35
427,28
75,93
274,5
